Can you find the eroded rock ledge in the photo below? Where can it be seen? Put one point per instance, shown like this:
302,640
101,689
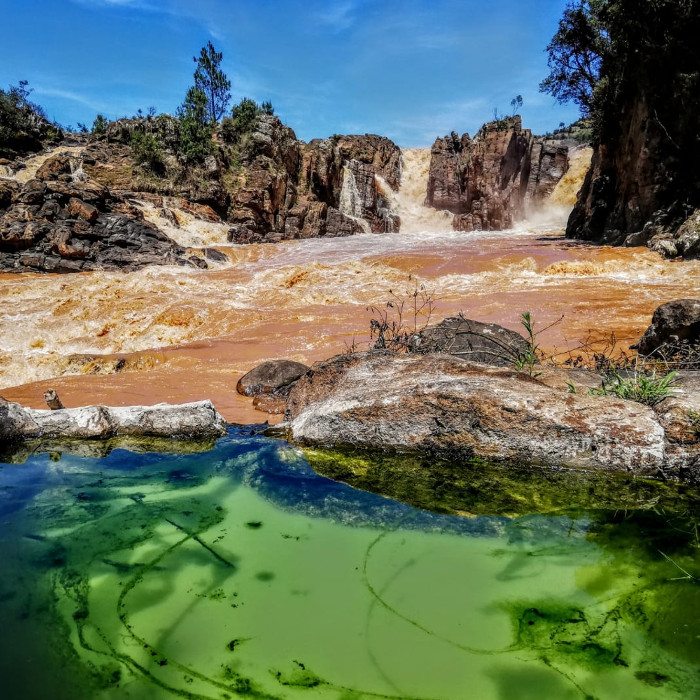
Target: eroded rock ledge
445,406
191,420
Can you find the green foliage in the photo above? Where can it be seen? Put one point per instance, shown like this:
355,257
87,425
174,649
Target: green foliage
147,151
516,103
526,361
644,388
99,126
195,127
575,55
610,54
212,81
23,123
243,119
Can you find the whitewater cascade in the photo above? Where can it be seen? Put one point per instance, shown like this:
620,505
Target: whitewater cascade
350,202
408,202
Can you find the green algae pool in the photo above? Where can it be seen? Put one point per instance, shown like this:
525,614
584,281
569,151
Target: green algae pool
241,572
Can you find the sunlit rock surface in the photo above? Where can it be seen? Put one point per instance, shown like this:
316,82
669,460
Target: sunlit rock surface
184,420
447,406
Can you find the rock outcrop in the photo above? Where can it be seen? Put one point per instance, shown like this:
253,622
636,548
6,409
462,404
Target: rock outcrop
490,181
191,420
56,223
448,407
288,189
267,185
487,343
672,323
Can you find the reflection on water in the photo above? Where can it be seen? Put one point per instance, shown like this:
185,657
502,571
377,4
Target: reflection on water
242,573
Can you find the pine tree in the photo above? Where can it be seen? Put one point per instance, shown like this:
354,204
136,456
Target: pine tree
212,81
195,127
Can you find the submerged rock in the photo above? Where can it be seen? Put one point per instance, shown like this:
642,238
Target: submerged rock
451,408
190,420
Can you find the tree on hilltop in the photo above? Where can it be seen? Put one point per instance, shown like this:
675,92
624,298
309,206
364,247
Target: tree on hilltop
212,81
195,127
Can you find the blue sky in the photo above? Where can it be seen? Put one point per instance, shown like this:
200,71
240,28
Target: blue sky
411,70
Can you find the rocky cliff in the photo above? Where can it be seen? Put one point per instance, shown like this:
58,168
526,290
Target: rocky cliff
643,187
489,182
267,184
328,187
58,222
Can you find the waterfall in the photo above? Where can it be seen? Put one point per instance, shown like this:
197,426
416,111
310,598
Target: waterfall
76,171
408,201
6,172
350,202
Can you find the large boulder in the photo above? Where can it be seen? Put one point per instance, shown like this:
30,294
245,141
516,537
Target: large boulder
671,324
487,343
275,377
448,407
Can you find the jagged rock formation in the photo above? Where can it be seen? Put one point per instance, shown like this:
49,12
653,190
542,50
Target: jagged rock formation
56,223
456,409
489,181
268,185
327,187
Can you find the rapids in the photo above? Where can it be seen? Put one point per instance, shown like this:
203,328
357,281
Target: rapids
174,334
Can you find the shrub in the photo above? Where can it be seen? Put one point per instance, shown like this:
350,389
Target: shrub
23,124
99,126
147,151
243,119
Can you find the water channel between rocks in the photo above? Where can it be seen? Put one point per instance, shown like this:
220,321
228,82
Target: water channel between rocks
242,572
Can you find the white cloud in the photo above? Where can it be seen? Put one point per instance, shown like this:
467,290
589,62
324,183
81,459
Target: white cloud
338,16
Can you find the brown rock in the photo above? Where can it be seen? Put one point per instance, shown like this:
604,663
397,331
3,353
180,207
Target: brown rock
81,210
274,377
488,181
54,166
672,323
453,408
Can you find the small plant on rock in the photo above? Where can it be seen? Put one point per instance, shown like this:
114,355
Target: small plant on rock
526,361
399,320
639,386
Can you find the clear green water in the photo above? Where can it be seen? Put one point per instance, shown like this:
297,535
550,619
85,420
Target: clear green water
242,572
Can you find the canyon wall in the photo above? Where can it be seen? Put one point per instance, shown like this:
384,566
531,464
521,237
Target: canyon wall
491,181
644,184
268,185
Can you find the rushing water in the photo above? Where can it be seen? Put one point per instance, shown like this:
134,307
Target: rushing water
169,334
240,572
